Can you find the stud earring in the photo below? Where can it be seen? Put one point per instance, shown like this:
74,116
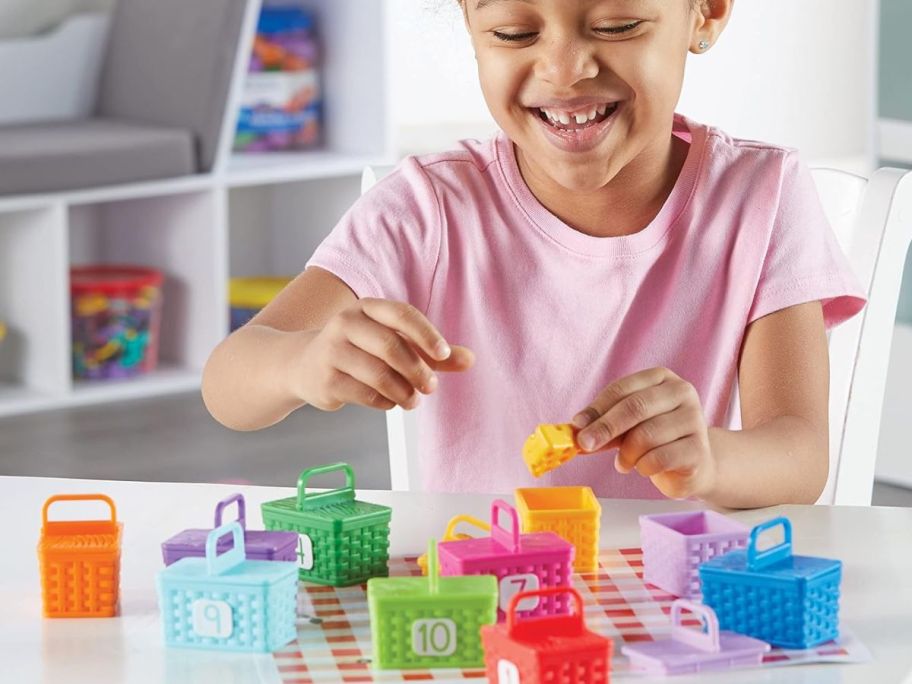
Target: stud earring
704,45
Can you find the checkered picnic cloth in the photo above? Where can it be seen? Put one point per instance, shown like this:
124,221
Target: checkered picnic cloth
334,643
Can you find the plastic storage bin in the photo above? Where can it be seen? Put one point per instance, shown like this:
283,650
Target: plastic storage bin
79,562
520,562
430,622
571,512
247,296
227,603
674,545
450,534
692,650
341,541
116,312
785,600
546,650
549,447
259,544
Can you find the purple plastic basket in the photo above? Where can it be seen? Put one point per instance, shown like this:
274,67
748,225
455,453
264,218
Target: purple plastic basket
259,544
675,544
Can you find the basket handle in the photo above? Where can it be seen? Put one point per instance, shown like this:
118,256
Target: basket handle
501,535
547,591
346,493
433,569
450,533
219,564
707,641
242,510
78,497
757,560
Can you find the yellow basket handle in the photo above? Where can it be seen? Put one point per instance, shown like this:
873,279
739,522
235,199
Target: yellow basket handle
78,497
450,533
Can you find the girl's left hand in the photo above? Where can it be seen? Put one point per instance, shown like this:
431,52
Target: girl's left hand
655,420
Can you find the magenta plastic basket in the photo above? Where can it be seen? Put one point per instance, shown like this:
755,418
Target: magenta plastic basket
675,544
520,562
694,650
259,544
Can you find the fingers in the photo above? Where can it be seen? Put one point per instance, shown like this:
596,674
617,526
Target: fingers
631,410
377,375
352,391
406,319
392,348
653,434
461,359
617,391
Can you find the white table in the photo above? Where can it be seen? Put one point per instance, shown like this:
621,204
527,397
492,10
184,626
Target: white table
875,545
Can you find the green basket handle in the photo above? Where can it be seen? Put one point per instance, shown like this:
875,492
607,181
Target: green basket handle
433,568
547,591
757,560
508,538
219,564
707,641
78,497
309,501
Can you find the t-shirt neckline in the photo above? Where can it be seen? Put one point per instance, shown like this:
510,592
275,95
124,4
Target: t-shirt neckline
624,245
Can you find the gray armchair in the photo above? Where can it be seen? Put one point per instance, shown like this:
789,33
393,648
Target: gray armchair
165,84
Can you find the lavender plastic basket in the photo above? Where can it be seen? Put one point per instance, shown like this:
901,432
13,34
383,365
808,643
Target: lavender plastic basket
259,544
675,544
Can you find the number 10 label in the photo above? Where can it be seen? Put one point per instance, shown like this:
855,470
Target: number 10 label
434,637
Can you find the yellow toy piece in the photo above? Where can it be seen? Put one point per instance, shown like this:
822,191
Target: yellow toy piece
548,447
573,513
452,535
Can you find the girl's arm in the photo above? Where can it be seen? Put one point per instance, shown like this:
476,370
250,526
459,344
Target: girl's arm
782,452
318,344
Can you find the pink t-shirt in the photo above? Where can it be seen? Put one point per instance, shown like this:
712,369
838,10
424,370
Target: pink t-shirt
554,315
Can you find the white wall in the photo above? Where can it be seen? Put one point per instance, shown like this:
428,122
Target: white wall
20,18
794,73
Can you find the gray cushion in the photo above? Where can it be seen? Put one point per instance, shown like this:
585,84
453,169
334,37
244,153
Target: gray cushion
80,154
169,63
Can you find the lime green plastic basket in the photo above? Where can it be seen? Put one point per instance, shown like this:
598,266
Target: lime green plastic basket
430,622
341,541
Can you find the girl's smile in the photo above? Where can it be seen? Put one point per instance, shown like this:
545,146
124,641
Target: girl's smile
576,129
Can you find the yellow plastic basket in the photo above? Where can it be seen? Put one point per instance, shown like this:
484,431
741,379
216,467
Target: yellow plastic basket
571,512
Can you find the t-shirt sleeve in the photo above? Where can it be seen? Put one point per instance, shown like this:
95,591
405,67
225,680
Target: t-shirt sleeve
387,244
804,261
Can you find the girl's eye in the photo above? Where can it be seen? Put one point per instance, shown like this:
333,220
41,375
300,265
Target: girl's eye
615,30
512,37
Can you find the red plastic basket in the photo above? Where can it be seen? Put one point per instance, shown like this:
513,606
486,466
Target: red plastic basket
555,649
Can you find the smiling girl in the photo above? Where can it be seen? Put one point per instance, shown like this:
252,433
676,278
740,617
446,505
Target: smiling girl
602,260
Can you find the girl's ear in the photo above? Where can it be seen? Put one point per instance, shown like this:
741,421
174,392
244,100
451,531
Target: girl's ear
711,19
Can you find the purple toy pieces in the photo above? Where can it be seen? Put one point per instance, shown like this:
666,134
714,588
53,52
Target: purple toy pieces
692,650
675,544
259,544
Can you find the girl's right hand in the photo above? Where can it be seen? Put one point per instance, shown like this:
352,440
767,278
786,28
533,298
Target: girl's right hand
376,353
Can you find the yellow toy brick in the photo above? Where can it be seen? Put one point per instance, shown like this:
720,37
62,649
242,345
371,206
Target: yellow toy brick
548,447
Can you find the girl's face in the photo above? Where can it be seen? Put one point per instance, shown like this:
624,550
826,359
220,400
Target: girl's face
583,87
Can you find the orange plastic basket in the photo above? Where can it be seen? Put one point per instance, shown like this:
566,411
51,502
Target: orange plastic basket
80,562
571,512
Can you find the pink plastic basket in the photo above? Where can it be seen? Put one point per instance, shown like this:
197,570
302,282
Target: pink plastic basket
520,562
675,544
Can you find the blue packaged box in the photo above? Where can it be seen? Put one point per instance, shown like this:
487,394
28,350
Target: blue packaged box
786,600
228,603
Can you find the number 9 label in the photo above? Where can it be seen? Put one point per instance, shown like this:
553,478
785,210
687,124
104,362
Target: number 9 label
434,637
511,585
212,619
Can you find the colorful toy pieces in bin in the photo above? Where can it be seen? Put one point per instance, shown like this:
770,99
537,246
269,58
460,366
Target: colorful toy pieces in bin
259,544
520,562
785,600
341,541
430,622
549,447
226,602
450,534
116,312
675,544
80,562
570,512
555,649
693,650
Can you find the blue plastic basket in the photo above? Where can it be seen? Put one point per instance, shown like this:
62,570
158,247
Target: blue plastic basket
228,603
785,600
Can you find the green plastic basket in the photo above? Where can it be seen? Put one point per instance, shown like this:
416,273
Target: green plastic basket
341,541
430,622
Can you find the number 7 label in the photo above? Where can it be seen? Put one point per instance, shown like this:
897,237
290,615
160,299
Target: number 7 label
511,585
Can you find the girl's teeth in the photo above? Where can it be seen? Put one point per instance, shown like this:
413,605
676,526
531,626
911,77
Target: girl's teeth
580,118
564,118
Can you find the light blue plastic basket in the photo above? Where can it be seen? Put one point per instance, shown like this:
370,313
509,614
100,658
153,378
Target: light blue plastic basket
772,595
228,603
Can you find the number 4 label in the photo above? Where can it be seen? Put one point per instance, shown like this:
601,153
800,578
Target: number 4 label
434,637
511,585
305,552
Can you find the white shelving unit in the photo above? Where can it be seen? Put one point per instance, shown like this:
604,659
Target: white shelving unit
253,214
